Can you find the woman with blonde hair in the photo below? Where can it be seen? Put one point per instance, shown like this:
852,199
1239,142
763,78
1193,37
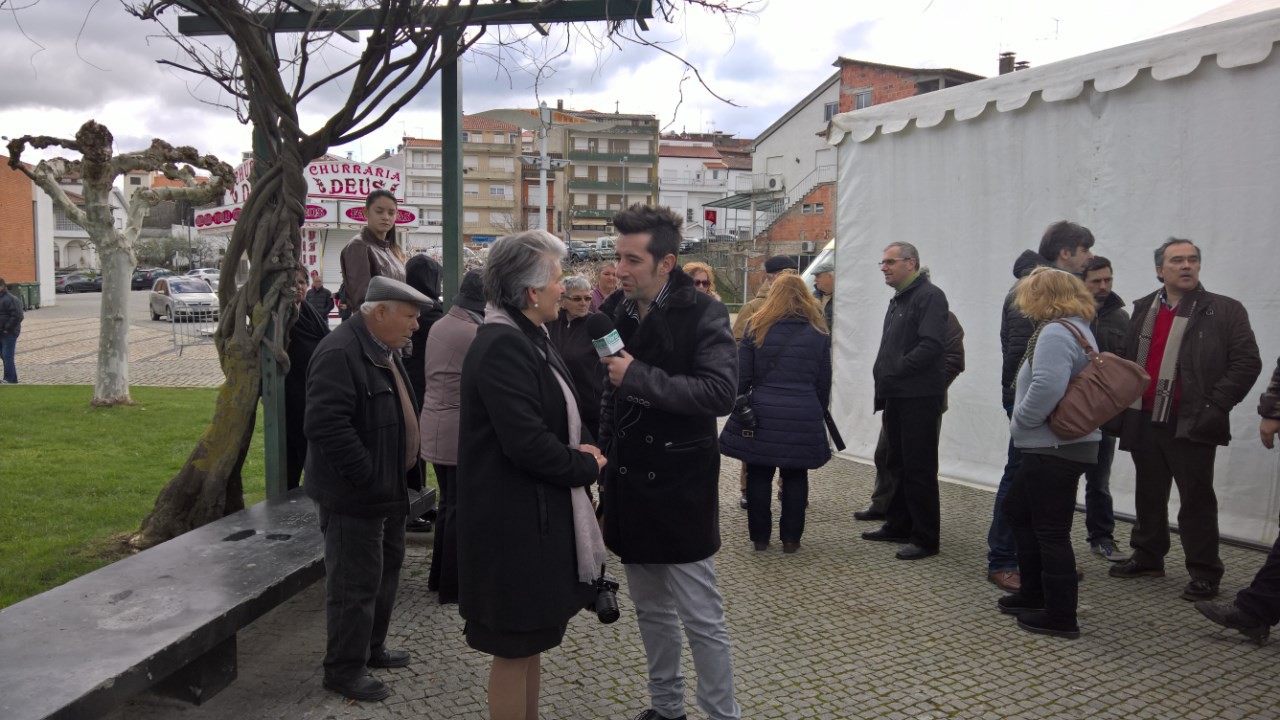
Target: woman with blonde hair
704,278
784,361
1041,500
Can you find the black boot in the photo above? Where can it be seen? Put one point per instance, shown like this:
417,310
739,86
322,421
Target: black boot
1017,604
1058,618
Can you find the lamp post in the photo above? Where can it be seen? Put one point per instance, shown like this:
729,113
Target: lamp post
624,182
542,162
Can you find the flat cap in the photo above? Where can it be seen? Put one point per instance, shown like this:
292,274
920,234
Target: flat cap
384,288
825,266
778,263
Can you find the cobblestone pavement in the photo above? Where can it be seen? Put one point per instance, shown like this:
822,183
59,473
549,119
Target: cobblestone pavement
838,630
59,346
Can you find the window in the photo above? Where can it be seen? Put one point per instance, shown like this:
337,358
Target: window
501,219
470,162
62,222
419,188
135,180
928,86
862,99
471,188
435,217
688,215
466,137
435,190
819,208
470,216
806,209
502,191
829,111
715,174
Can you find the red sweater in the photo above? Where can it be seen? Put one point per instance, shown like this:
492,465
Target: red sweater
1160,338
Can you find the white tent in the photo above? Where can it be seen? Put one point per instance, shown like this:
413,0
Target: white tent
1174,136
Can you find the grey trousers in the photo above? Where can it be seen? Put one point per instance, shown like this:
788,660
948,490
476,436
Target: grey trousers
666,596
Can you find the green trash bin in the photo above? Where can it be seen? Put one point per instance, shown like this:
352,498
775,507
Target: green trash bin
29,293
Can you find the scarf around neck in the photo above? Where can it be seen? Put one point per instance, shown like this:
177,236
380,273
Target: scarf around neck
588,542
1167,378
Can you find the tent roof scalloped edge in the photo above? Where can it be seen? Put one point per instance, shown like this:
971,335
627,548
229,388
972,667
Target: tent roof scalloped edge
1236,43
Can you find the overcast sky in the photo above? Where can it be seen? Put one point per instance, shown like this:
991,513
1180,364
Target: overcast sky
66,61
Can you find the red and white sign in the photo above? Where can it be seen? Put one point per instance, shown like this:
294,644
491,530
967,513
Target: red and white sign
709,216
218,219
353,214
335,179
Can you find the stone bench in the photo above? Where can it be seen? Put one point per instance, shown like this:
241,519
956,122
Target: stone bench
163,619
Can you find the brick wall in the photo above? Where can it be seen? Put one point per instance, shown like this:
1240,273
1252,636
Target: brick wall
886,85
794,227
17,230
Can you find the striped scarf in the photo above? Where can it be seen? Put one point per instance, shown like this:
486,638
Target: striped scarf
1168,375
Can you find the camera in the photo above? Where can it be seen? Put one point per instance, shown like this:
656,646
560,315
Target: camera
743,413
605,605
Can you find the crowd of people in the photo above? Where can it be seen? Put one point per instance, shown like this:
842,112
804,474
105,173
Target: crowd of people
565,417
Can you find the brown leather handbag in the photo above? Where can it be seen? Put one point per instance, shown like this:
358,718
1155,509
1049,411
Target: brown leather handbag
1106,386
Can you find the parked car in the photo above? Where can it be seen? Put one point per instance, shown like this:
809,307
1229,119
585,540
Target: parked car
179,298
146,277
209,275
603,246
581,252
79,283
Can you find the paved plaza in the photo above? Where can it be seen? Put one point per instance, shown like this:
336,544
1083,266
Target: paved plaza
839,630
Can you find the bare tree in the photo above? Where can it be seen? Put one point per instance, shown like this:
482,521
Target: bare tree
97,170
399,56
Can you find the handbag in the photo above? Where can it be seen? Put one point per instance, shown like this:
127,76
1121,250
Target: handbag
742,412
1098,393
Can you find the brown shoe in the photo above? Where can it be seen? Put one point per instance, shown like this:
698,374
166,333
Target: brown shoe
1007,580
790,547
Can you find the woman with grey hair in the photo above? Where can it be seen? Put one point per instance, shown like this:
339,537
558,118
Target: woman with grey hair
570,337
529,547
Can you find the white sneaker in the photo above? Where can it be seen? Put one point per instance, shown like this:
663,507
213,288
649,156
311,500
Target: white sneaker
1108,550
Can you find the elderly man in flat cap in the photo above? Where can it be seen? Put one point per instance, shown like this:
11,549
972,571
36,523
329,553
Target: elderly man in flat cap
362,436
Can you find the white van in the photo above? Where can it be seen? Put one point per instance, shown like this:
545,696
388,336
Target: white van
828,253
603,246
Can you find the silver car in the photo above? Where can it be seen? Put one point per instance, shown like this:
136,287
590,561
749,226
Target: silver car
178,298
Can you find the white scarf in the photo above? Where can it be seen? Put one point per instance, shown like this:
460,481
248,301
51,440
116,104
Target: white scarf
586,530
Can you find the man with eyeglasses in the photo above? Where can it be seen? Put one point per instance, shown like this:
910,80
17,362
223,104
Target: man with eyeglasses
1200,352
910,384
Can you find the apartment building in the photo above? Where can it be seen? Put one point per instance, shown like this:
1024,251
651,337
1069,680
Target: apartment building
491,206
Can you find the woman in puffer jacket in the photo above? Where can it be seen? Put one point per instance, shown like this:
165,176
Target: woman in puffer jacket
785,361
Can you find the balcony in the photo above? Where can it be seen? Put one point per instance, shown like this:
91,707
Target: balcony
489,174
582,211
614,187
491,148
613,158
505,202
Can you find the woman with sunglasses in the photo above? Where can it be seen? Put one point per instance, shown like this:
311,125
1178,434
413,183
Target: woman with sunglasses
569,336
704,278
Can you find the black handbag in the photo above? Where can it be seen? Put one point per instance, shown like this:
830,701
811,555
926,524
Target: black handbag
743,413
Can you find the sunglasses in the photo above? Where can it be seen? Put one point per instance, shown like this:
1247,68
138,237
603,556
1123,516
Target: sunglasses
702,283
578,298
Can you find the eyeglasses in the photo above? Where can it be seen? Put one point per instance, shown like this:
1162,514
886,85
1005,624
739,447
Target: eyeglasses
702,283
578,298
891,262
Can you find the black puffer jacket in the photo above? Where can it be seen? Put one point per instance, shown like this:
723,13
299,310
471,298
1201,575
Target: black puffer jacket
1015,329
10,313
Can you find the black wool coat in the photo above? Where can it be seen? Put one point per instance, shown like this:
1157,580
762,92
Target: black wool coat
910,362
517,561
570,339
660,490
305,335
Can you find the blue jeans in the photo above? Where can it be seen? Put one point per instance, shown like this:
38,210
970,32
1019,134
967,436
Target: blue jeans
1002,548
1099,518
8,343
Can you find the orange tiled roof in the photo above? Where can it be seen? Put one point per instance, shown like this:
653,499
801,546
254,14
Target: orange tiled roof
158,180
471,122
688,151
422,143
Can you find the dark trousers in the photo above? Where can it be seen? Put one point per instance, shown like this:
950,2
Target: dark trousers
1099,515
362,559
1158,458
886,482
795,495
1039,507
911,426
444,552
1262,598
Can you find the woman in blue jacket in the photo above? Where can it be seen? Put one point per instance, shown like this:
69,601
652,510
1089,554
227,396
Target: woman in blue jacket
785,361
1041,500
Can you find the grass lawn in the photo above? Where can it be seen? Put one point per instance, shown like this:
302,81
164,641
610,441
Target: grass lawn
74,478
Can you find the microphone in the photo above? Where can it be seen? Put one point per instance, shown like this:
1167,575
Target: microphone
603,335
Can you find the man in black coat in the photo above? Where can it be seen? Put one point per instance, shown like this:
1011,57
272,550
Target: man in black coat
310,328
10,327
319,296
1066,246
1108,328
660,497
911,382
362,433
